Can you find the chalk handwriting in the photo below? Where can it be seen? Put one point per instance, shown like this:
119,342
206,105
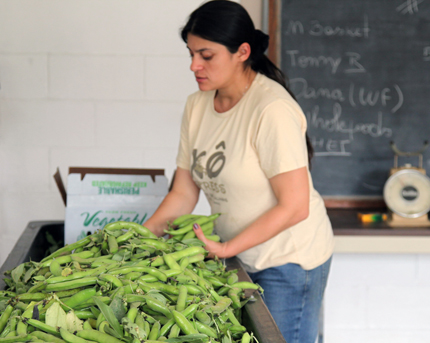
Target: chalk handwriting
355,66
312,61
348,127
330,147
384,97
302,90
302,61
356,96
319,30
409,7
316,28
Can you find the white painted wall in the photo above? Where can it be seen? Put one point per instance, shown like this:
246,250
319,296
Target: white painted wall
378,298
98,83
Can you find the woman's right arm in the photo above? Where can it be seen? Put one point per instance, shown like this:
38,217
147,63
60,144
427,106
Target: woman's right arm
180,200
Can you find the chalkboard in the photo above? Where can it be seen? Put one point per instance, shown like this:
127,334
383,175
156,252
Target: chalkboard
360,70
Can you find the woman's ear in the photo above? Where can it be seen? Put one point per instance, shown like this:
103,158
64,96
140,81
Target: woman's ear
244,52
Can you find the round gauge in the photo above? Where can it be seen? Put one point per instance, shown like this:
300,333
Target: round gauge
407,193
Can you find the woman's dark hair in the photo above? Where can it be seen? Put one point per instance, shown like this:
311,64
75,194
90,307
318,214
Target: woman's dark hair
228,23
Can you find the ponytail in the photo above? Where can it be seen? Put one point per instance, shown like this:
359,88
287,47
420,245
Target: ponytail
228,23
260,63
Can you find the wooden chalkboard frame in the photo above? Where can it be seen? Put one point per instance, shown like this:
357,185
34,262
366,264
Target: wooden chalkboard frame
273,53
274,15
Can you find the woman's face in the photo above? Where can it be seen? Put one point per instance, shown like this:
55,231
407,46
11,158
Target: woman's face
212,64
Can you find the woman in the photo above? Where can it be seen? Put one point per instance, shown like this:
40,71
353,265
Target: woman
244,144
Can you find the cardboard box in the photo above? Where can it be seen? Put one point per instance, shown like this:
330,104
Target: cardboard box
98,196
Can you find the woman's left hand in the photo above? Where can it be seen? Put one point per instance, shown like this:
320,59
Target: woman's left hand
214,248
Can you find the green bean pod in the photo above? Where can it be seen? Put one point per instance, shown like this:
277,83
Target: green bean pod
156,243
214,238
174,331
182,298
221,305
233,278
237,328
246,285
185,219
32,296
233,294
112,244
246,338
183,323
206,329
5,317
68,248
55,268
42,326
60,259
157,306
22,338
66,285
46,337
21,328
97,336
141,230
71,338
112,279
75,276
125,237
155,331
194,289
80,297
149,270
171,263
203,317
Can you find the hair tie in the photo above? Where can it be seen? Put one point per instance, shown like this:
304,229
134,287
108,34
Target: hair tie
261,43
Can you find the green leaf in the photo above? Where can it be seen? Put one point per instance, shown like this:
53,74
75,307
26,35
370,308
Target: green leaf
50,239
29,273
193,338
110,316
193,242
20,288
17,273
39,278
117,307
156,294
3,304
10,284
226,338
55,316
133,329
113,333
73,322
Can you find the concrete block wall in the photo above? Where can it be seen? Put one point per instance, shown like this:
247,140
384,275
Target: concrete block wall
99,83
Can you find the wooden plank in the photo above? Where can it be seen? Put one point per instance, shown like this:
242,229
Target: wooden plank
273,28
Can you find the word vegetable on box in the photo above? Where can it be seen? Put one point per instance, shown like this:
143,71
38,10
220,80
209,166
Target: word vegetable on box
95,199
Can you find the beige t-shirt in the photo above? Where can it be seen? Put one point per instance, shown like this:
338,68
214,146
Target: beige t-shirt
232,155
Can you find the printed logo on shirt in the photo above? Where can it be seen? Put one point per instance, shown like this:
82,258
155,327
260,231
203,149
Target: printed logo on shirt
209,170
214,164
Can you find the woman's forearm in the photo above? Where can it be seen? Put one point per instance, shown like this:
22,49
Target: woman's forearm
264,228
292,192
180,200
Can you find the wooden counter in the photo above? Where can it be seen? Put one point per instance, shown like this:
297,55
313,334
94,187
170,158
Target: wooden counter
353,236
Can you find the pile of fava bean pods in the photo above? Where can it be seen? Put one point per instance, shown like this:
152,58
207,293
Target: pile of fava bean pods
124,284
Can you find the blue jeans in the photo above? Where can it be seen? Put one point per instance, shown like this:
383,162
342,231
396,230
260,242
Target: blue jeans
294,296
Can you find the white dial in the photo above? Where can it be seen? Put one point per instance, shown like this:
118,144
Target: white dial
407,193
